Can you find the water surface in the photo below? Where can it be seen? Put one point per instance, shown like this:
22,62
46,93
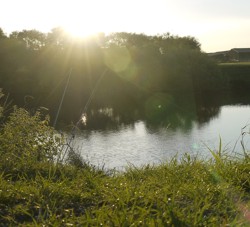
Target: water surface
140,143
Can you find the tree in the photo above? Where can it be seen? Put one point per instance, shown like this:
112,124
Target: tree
2,34
59,37
33,39
128,39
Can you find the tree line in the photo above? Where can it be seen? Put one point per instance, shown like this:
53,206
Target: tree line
120,68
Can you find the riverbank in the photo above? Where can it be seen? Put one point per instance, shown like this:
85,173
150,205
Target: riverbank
43,185
236,75
191,192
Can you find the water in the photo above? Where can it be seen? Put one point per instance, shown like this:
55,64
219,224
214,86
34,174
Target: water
140,142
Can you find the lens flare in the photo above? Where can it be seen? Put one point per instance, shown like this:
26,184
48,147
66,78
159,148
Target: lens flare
158,104
117,58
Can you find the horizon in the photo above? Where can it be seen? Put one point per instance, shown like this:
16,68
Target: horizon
106,34
215,29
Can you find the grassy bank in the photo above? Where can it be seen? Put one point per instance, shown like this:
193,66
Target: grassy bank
236,69
189,193
236,75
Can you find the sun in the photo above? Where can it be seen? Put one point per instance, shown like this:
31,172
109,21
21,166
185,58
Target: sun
81,30
86,18
83,18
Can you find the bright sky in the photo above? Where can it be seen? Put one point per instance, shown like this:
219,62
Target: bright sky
217,24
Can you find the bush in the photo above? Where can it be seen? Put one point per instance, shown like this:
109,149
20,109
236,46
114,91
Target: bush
27,139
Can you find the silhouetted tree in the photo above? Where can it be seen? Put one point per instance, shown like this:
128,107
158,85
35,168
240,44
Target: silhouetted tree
135,65
33,39
2,34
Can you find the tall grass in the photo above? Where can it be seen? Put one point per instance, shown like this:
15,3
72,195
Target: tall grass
187,193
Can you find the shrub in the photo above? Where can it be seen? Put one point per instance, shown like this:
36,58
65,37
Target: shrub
27,139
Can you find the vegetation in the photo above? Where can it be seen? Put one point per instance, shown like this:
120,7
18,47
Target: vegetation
39,189
234,63
237,75
128,68
43,182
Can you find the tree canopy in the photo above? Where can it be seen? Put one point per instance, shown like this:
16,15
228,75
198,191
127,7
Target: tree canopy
37,65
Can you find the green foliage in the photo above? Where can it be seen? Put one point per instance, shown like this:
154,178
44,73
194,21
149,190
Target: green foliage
27,139
236,75
1,107
36,64
33,39
2,35
186,193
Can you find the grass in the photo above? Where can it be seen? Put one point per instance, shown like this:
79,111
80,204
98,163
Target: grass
191,192
236,69
235,64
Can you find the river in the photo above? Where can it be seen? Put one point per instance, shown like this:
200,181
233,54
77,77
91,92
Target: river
141,141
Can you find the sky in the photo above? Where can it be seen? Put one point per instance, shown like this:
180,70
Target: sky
217,24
